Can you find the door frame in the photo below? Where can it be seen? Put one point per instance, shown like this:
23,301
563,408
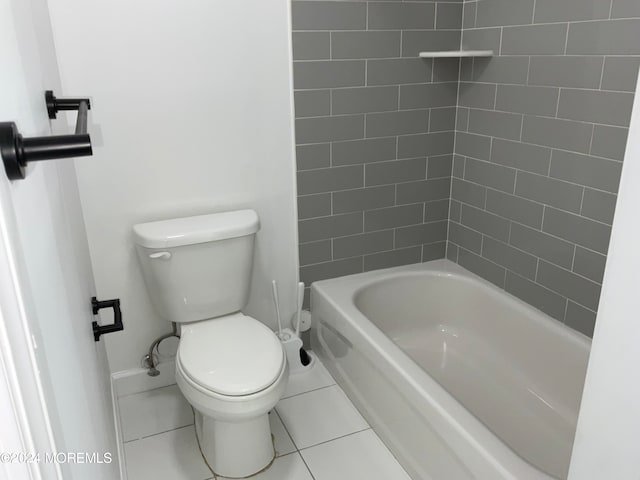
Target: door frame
28,428
606,440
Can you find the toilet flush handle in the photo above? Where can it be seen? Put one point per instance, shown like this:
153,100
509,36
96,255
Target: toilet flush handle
160,255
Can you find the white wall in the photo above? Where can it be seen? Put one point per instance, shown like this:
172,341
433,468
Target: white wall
608,434
192,113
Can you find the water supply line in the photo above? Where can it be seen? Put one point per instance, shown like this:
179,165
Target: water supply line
149,361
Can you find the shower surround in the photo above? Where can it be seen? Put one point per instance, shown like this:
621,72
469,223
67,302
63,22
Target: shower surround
375,128
540,139
507,165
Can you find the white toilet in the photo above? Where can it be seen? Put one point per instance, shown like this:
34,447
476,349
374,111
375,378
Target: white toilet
230,367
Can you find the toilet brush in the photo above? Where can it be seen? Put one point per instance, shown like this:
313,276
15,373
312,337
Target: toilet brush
299,311
297,358
274,288
304,356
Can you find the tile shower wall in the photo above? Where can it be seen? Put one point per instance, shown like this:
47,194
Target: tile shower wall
541,131
374,132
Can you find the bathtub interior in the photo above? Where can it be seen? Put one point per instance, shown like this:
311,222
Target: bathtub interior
444,308
516,370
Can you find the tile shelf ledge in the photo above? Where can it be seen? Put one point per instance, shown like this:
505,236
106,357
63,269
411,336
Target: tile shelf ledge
456,54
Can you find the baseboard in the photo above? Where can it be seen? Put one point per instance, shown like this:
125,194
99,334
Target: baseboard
136,380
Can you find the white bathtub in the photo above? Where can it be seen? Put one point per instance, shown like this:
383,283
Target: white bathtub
460,379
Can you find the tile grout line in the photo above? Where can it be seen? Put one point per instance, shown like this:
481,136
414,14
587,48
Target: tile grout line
489,27
306,465
366,13
610,9
604,61
482,109
338,438
159,433
326,386
475,21
275,410
566,308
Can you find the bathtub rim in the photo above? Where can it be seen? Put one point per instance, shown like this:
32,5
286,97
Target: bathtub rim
348,287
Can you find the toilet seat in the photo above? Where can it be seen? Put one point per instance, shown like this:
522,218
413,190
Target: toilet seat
235,355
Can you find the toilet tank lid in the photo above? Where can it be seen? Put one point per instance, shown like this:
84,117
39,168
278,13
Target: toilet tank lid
177,232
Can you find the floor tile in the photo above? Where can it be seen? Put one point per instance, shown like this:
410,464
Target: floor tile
289,467
317,376
318,416
315,416
172,455
281,439
154,411
358,456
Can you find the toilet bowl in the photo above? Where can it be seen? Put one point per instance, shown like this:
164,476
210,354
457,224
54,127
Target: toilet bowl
230,367
232,370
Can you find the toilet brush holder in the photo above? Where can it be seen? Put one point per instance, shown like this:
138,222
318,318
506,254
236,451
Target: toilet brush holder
295,357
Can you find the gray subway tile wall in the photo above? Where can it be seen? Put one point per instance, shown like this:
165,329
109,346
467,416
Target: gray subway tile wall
562,80
508,165
375,129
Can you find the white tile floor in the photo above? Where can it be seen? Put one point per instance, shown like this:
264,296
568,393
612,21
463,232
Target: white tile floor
319,435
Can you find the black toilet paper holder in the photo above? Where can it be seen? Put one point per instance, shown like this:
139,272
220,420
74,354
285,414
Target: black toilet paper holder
17,151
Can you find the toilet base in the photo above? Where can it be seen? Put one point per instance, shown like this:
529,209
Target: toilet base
235,449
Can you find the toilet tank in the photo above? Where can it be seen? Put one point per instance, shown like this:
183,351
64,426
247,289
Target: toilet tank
199,267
